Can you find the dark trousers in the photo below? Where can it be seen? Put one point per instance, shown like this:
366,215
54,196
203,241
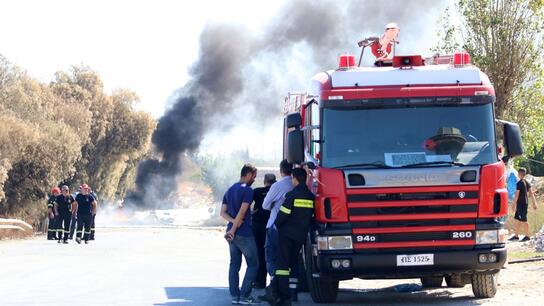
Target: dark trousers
64,225
271,250
259,232
84,223
287,261
52,228
73,227
92,227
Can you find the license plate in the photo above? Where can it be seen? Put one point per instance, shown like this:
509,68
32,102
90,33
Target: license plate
415,260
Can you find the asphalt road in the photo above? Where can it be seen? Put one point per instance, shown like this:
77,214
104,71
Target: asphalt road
186,267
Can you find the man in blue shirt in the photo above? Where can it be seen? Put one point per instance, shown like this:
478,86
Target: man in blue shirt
235,210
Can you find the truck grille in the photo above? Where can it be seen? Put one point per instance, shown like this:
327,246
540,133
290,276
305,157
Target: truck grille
408,218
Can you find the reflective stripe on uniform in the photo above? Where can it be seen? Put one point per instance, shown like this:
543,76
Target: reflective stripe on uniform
293,280
282,272
304,203
285,210
87,232
293,286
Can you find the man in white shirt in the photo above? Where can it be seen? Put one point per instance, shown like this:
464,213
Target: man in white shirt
273,201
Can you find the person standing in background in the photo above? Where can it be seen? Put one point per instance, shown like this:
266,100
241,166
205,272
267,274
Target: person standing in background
85,209
93,218
522,204
52,228
64,208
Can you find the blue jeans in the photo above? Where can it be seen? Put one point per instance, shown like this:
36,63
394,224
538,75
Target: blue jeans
242,245
271,249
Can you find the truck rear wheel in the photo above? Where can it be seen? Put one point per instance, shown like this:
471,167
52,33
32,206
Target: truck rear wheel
322,291
432,281
484,285
455,281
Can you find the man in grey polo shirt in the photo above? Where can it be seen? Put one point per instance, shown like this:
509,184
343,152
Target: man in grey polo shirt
273,201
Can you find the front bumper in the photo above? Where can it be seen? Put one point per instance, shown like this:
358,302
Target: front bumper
384,265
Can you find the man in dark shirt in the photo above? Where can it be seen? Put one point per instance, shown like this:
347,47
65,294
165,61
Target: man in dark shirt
523,191
235,210
53,220
64,209
259,218
91,237
86,208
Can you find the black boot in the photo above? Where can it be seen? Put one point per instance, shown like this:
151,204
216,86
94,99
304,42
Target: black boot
294,296
284,303
269,295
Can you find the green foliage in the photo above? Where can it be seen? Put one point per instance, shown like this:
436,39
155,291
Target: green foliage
504,39
221,172
67,131
447,35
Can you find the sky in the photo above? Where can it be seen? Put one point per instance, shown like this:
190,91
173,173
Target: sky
145,46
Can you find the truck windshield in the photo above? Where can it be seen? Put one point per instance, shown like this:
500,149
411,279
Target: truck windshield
408,136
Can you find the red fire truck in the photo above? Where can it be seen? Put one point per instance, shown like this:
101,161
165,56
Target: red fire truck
407,173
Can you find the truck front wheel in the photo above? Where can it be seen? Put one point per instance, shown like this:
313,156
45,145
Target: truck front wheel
484,285
322,291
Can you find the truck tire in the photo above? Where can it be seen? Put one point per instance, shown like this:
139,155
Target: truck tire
455,281
322,291
484,285
432,281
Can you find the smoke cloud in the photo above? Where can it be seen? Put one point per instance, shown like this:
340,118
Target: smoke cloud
240,78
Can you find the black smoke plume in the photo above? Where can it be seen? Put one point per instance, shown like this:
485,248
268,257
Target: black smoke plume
225,79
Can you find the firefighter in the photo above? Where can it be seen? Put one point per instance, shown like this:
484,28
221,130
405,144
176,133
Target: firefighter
91,237
52,226
85,209
74,217
64,208
293,223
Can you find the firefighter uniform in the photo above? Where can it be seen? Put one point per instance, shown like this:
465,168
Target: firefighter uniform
84,216
64,208
52,226
293,223
91,236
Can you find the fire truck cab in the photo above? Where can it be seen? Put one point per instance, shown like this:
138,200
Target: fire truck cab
407,173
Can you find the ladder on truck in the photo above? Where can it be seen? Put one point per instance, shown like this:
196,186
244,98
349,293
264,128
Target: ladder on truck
293,102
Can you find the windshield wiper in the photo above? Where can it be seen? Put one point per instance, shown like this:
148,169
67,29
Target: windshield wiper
433,163
374,164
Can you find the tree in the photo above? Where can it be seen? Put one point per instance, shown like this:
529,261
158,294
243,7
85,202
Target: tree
68,131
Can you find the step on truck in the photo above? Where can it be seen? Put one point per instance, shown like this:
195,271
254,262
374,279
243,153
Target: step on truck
405,157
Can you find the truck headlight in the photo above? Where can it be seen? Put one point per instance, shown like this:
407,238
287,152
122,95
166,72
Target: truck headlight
487,237
334,243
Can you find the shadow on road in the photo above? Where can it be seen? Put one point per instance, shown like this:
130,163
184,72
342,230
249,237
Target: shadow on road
196,296
405,294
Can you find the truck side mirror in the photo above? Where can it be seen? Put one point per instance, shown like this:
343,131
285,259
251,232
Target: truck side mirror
295,146
512,139
293,120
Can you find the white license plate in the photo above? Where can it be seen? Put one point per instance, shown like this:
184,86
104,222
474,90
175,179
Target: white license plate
415,260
